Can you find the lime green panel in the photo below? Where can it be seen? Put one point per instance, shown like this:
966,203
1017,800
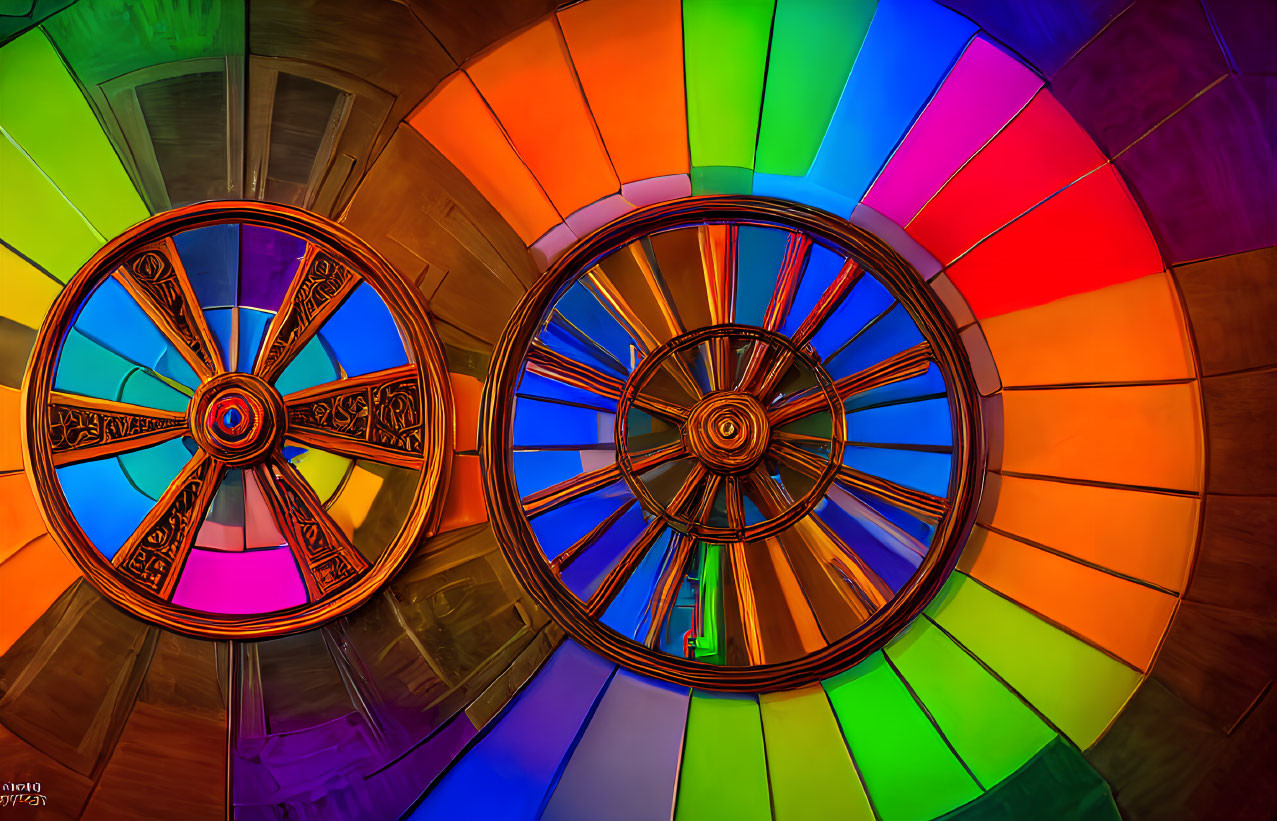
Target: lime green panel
722,179
812,776
323,470
707,646
28,291
993,731
45,113
725,58
909,771
37,220
724,770
1057,784
813,47
1074,685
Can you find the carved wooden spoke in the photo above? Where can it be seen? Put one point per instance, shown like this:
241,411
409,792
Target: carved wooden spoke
904,365
560,494
379,416
156,279
82,428
553,365
321,285
153,556
326,557
619,575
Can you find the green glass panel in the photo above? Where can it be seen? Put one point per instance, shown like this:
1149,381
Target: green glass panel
152,469
1076,686
722,179
993,731
707,646
812,776
323,470
724,770
37,220
45,113
149,390
725,58
88,369
908,769
1057,783
813,47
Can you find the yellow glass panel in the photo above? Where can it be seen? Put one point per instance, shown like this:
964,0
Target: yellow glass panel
1129,332
1149,536
324,471
1148,436
1120,616
28,293
456,121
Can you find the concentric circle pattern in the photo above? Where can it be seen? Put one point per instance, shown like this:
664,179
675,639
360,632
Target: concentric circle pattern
236,392
693,450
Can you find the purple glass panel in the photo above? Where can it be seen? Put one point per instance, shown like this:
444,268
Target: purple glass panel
1149,62
268,263
1207,175
1248,31
1046,32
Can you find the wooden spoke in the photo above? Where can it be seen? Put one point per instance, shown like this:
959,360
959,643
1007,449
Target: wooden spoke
586,341
153,556
829,300
754,367
321,285
797,250
746,603
918,502
560,494
829,547
645,258
659,407
709,490
544,361
768,495
904,365
718,260
668,582
378,416
326,557
156,279
619,575
562,561
721,377
695,478
735,503
803,461
82,428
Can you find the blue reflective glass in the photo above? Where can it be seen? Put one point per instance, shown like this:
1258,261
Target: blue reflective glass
822,267
252,327
549,424
363,335
221,321
579,307
564,340
925,422
584,575
866,540
210,256
113,319
924,471
104,502
313,365
626,613
533,385
559,529
930,384
538,469
759,254
867,299
152,469
885,338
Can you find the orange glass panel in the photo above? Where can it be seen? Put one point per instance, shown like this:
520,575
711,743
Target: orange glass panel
629,56
32,579
467,394
1128,332
533,90
1042,150
1090,235
457,122
10,441
463,505
1117,615
20,519
1147,436
1149,536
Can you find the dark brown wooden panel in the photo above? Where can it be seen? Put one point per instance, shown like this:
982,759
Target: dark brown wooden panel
466,28
1241,439
65,791
1235,559
1232,302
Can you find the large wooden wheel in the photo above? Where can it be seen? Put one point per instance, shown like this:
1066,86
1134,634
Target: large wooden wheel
236,420
731,442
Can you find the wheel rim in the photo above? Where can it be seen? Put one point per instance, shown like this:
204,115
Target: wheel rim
723,444
313,453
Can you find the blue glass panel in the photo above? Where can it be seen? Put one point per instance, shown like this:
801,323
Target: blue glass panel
313,365
867,299
549,424
105,504
152,469
363,335
908,50
759,254
564,341
804,190
822,266
88,369
252,327
580,308
510,771
221,321
626,613
923,471
560,528
538,469
142,388
930,383
868,542
584,575
210,256
915,423
531,384
915,527
885,338
113,319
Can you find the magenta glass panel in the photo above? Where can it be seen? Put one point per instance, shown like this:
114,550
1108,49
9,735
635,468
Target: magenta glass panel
251,581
